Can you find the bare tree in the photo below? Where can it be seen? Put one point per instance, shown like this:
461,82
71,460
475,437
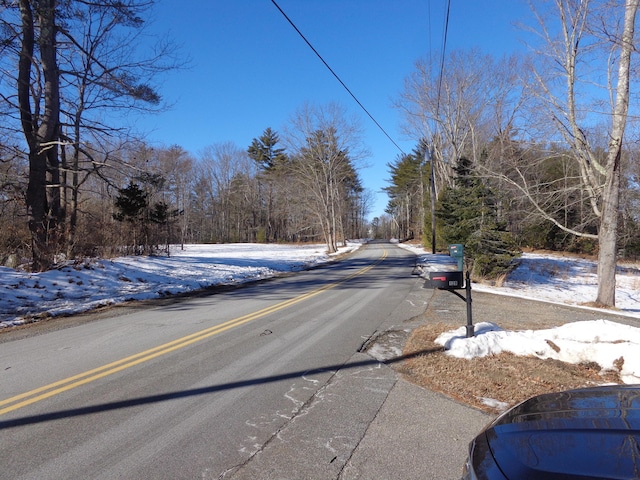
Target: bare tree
14,234
178,168
457,110
608,234
470,108
100,72
568,90
569,95
223,165
324,146
39,106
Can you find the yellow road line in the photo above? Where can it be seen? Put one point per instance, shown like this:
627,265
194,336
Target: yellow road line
74,381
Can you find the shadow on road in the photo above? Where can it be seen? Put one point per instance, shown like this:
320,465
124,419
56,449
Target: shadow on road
163,397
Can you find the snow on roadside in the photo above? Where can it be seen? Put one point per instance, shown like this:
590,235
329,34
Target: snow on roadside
86,285
82,286
611,345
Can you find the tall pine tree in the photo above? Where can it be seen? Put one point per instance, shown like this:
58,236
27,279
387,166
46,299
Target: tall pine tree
407,194
264,151
272,161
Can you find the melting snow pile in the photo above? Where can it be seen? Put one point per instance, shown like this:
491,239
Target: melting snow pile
611,345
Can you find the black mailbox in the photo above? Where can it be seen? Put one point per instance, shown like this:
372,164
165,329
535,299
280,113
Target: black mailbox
448,280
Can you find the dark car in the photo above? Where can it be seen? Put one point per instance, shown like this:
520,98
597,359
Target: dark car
590,433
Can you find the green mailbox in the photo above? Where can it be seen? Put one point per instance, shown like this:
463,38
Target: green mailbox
456,250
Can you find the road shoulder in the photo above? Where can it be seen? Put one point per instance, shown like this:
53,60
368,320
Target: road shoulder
417,434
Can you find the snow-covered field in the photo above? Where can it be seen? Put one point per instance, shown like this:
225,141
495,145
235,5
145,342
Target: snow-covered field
554,278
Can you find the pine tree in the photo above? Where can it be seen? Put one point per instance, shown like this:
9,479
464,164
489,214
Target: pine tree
131,203
263,150
133,206
272,161
467,214
407,194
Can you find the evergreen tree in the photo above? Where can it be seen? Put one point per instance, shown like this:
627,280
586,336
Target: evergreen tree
264,151
407,194
271,160
131,203
467,214
133,206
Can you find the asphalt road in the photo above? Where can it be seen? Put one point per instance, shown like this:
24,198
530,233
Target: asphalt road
203,387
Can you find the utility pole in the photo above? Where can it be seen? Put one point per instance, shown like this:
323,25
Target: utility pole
433,201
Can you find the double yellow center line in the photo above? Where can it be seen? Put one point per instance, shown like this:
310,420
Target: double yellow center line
38,394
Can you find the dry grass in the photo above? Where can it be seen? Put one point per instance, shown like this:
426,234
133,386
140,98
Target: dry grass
503,378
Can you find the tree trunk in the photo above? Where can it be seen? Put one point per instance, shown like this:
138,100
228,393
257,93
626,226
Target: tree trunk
607,239
41,132
607,236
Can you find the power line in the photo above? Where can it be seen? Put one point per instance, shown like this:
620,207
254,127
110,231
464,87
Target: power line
336,75
444,48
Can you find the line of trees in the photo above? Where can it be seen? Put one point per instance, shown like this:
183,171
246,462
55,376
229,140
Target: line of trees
266,192
550,132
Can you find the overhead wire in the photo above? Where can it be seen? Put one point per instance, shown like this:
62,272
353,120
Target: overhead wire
444,48
336,75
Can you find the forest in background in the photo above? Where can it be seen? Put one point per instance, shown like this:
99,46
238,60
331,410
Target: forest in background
143,199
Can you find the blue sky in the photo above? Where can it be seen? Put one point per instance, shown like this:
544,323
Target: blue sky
250,70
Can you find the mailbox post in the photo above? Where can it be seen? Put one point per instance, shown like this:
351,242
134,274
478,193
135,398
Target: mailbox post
453,281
